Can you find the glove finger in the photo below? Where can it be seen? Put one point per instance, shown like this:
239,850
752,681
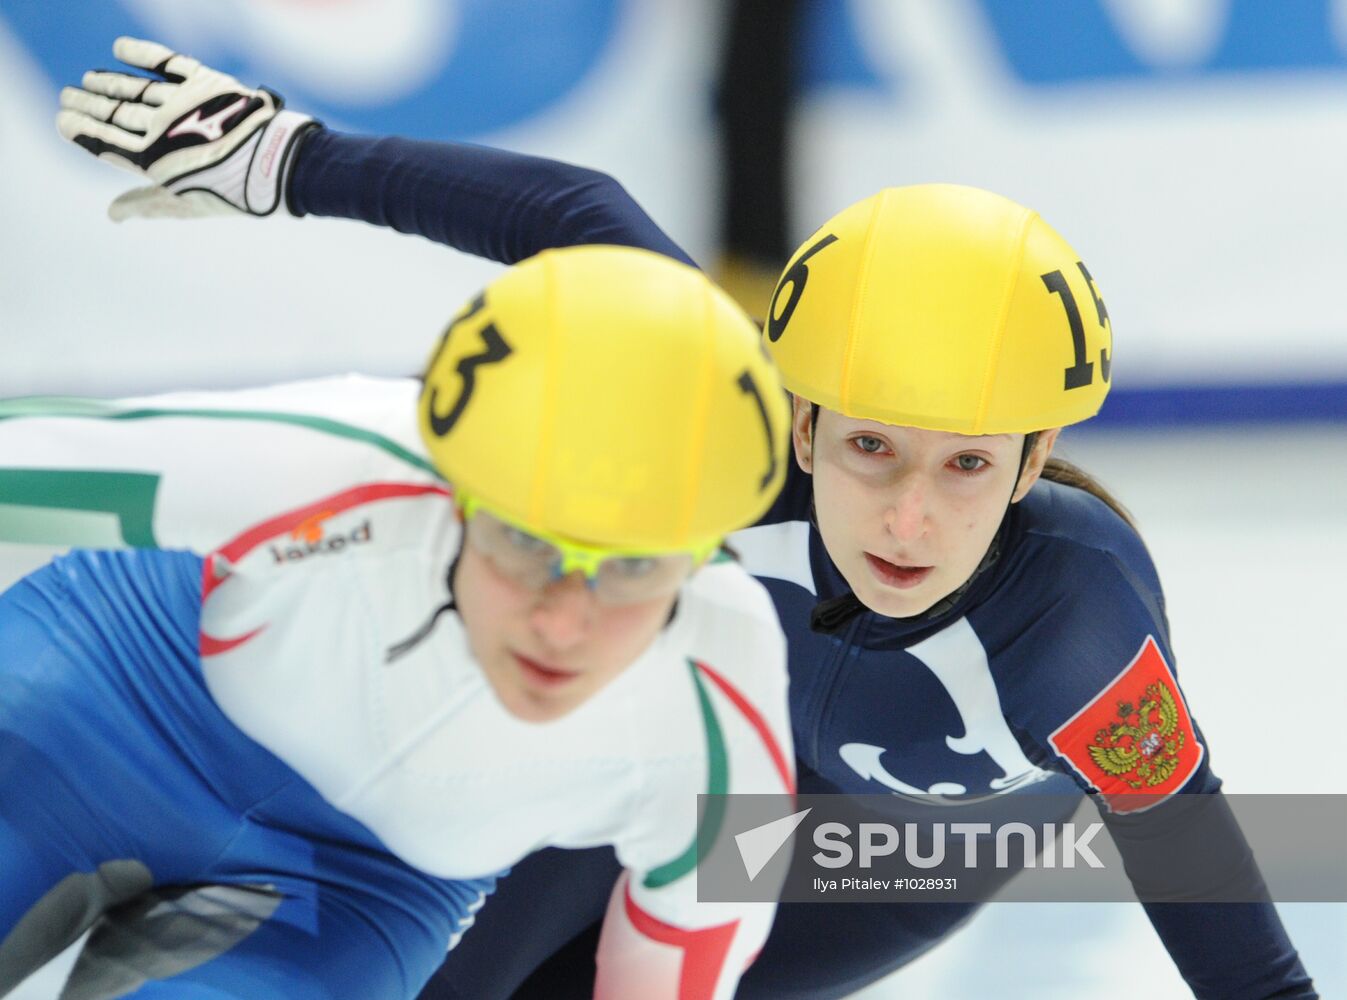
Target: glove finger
145,203
158,93
100,139
75,125
135,118
93,105
160,203
154,57
119,86
141,53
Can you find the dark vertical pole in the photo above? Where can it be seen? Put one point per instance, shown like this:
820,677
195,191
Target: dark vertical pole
755,94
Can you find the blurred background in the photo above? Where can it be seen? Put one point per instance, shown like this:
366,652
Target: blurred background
1191,150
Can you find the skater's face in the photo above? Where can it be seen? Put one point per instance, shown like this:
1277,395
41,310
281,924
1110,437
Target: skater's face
908,514
547,649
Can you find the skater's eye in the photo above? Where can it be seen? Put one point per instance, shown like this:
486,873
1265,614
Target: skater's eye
969,464
526,543
630,566
868,444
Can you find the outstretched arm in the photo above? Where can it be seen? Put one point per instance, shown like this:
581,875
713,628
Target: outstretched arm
1116,720
1190,849
210,144
486,202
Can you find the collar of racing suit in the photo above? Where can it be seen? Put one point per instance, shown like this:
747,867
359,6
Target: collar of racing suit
398,650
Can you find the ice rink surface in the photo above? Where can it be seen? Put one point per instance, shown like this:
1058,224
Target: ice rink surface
1248,526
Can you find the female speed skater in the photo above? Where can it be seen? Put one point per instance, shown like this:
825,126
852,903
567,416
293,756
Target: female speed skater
285,748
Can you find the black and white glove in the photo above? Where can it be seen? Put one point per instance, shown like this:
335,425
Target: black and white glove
211,145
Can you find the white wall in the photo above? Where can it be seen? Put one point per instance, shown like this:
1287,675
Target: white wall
1207,200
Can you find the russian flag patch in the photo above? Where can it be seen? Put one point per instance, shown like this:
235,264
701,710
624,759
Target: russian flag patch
1134,742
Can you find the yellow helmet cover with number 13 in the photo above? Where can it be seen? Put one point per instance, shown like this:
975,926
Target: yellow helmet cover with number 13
946,308
609,396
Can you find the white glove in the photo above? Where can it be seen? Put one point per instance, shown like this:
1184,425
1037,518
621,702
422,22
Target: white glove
211,145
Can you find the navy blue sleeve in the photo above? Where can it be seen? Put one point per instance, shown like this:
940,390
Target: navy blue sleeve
486,202
1095,682
1208,943
1191,848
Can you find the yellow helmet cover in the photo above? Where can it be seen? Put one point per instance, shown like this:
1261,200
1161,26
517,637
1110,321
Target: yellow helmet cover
946,308
610,396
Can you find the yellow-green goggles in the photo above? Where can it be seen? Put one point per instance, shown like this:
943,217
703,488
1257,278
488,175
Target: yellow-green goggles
616,576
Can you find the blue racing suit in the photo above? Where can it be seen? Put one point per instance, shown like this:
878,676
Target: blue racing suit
128,790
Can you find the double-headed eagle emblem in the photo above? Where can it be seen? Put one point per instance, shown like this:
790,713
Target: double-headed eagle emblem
1143,746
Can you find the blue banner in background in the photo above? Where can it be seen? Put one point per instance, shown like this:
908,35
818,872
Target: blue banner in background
831,53
511,60
1051,43
1250,403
